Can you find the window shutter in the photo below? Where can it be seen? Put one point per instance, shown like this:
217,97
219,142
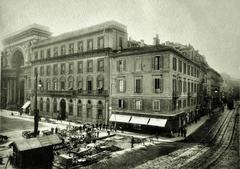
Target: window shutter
124,65
161,61
124,85
134,104
141,85
161,84
118,66
153,63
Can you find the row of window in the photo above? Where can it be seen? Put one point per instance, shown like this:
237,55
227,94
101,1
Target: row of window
138,104
69,49
184,86
183,103
46,84
71,109
182,67
54,69
178,85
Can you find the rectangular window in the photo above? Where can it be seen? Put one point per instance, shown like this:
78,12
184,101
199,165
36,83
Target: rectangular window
184,68
80,67
121,103
184,103
48,53
156,105
71,48
48,70
70,68
89,85
121,65
41,71
55,51
192,71
138,64
138,104
157,62
188,69
100,42
63,68
179,65
100,65
197,73
55,69
80,46
90,66
55,85
174,64
121,85
35,55
120,42
90,45
63,50
179,104
158,85
138,85
184,86
42,54
180,86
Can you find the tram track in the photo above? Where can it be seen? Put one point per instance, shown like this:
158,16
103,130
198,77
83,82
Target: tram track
219,143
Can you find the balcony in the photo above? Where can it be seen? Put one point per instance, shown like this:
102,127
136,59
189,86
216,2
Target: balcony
92,92
69,93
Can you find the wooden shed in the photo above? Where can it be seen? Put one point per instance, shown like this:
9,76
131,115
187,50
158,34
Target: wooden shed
34,152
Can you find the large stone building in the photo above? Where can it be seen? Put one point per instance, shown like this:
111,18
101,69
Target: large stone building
154,85
95,75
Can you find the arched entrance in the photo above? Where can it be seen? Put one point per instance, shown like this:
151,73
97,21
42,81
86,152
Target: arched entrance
62,109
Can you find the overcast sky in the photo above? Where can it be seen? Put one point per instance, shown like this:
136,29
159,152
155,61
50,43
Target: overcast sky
211,26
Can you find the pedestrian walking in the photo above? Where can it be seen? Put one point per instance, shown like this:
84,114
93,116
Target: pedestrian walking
132,142
56,130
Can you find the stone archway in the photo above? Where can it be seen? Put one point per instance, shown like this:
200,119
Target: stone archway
62,109
16,83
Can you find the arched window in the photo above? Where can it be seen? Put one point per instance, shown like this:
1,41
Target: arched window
100,83
70,82
89,109
48,84
41,104
79,108
55,83
62,83
80,83
89,84
70,107
55,105
47,105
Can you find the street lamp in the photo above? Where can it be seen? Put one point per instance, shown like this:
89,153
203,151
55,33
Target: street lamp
36,111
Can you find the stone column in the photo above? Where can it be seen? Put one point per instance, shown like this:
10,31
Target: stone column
14,91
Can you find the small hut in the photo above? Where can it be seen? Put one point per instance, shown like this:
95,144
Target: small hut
33,152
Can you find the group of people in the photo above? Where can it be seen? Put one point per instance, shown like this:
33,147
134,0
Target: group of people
182,132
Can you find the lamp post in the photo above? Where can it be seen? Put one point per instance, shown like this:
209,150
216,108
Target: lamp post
36,111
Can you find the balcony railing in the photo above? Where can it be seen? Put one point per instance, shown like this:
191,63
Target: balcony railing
74,92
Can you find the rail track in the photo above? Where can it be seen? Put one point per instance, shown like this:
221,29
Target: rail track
220,142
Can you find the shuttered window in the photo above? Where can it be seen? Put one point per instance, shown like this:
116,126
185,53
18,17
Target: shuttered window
121,65
138,85
158,85
157,62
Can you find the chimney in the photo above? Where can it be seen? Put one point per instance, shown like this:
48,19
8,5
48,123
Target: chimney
141,43
156,40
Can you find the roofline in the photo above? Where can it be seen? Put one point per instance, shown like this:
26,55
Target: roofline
155,48
81,32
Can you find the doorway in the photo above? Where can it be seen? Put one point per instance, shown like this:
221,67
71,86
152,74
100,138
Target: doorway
62,109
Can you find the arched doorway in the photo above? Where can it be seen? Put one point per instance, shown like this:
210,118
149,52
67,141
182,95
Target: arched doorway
62,109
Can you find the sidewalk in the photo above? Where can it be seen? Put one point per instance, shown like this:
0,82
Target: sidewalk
63,125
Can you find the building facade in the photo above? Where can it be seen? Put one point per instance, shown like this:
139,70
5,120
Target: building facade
154,83
95,75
